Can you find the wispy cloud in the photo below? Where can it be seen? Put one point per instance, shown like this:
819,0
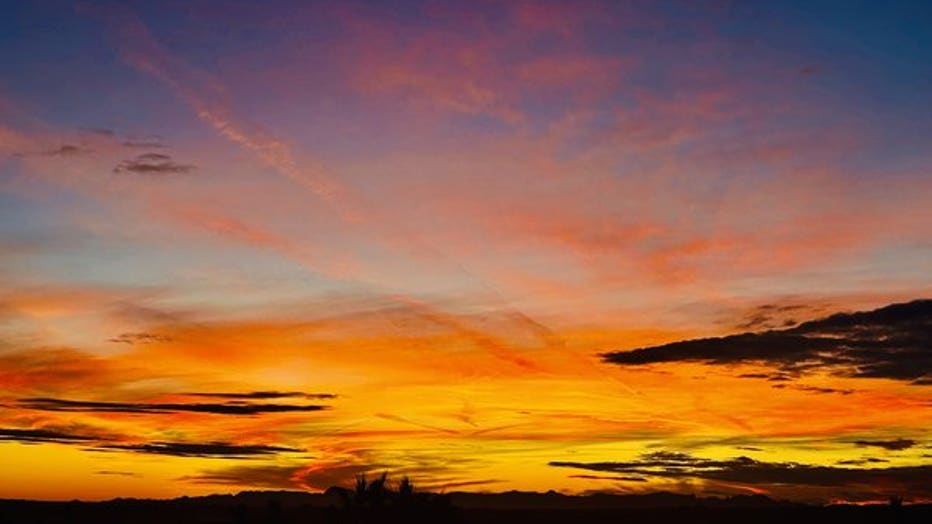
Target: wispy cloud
153,164
207,450
42,436
139,338
891,445
259,476
231,408
117,473
209,100
864,483
264,395
65,150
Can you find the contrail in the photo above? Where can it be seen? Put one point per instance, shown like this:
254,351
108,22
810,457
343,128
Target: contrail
207,97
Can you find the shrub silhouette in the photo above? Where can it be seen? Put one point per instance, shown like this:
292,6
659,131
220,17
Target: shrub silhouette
377,501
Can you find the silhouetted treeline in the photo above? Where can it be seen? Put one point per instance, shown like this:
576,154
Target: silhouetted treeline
378,501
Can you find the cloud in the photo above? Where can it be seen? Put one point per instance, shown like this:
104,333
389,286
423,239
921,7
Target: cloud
110,443
41,436
264,395
608,477
470,68
892,342
208,450
231,408
267,476
31,371
153,164
427,470
771,316
64,150
747,471
320,476
139,338
118,473
861,462
892,445
210,101
146,143
810,389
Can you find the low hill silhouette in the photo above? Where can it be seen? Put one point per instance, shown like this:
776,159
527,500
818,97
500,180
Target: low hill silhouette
376,501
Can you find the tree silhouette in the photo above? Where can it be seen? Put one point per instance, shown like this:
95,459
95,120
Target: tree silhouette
377,501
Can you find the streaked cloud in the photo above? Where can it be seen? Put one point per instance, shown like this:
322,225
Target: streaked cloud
861,483
153,164
41,435
258,476
139,338
212,449
229,408
253,395
892,445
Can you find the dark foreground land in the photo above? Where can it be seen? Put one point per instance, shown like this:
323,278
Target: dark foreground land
295,508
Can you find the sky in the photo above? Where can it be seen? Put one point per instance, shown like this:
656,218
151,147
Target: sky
582,246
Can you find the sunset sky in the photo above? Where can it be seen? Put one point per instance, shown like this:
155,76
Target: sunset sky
273,245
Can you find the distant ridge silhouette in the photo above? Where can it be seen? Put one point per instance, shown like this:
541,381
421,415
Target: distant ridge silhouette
297,507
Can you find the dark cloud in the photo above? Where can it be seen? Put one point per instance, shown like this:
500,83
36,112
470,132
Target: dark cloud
442,486
892,342
861,462
892,445
281,476
767,376
231,408
208,450
263,395
64,150
153,164
153,157
744,470
771,316
266,476
144,141
118,473
67,150
337,474
147,144
428,472
180,449
139,338
41,436
814,389
608,477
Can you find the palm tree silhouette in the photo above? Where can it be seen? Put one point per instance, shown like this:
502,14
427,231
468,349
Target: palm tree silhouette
376,501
